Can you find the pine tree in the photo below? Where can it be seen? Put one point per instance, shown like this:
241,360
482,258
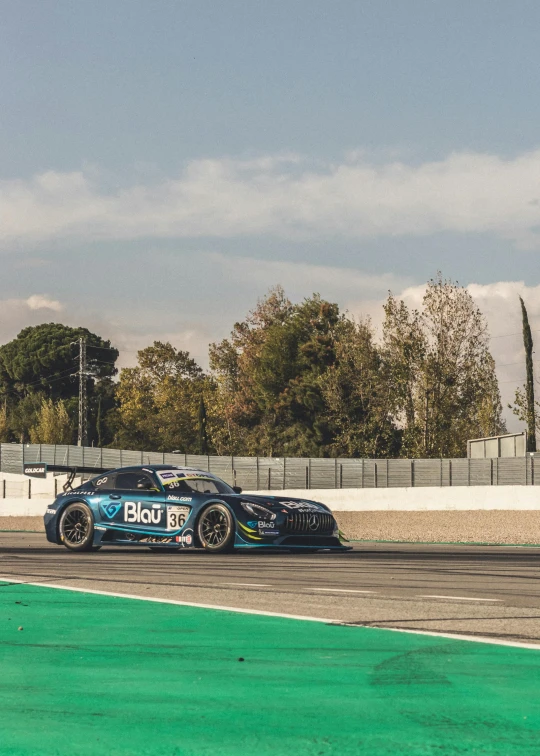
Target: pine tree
528,344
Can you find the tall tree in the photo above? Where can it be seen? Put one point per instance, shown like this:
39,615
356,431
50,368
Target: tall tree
270,371
42,362
158,401
529,390
53,424
358,393
43,359
451,392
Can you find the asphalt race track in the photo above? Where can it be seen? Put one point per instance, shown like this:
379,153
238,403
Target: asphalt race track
486,591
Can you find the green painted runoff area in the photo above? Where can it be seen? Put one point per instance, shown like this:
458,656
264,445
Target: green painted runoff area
92,674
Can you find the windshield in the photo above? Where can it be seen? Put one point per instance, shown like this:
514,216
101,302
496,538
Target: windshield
189,482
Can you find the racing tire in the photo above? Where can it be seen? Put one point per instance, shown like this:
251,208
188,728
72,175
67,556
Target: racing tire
216,529
76,527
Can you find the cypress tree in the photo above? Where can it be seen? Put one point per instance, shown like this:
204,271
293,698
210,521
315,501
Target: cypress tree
528,344
203,436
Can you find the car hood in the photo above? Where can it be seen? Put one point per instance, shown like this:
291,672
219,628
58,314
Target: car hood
277,503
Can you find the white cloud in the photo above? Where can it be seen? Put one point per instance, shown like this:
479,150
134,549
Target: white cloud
20,313
41,302
288,197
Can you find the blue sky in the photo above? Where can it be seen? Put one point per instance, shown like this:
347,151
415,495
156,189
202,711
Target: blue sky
162,163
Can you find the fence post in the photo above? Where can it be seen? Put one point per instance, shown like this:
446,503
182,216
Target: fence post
55,487
450,472
441,474
269,478
335,473
468,471
341,476
307,476
387,473
375,473
258,482
284,464
4,488
532,471
29,488
412,473
362,478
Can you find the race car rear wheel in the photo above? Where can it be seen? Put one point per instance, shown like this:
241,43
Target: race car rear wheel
77,527
215,529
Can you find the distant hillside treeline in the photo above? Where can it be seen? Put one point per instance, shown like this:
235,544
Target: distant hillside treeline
291,380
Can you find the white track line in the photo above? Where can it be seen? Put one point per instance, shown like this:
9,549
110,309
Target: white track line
452,636
472,638
250,585
338,590
459,598
170,601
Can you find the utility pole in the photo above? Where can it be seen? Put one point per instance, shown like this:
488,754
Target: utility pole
82,437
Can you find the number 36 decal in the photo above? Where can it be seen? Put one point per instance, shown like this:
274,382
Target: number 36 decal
176,517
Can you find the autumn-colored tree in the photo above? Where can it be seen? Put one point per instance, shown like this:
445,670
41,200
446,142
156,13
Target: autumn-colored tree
447,390
53,424
358,393
158,401
270,374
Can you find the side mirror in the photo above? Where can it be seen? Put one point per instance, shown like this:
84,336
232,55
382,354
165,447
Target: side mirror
237,489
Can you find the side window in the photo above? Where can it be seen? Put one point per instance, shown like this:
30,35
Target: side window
134,481
105,482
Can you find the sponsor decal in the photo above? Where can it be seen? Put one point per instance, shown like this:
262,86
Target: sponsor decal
111,509
186,539
36,470
134,512
303,506
172,497
101,481
99,527
269,532
166,475
177,516
50,511
260,524
77,492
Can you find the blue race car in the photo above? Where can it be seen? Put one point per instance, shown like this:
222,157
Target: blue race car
167,507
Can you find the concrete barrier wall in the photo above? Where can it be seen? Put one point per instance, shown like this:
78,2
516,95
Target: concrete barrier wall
24,507
418,499
467,515
511,498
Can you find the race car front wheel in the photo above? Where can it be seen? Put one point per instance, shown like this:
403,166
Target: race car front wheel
216,529
77,527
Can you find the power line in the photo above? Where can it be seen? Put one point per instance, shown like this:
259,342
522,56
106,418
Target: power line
518,333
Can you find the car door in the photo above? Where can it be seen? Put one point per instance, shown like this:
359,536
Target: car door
135,502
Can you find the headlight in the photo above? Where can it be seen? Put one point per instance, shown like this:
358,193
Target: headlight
258,511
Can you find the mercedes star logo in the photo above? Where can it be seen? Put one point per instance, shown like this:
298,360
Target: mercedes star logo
313,522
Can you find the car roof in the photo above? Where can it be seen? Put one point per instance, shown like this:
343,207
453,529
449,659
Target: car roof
157,468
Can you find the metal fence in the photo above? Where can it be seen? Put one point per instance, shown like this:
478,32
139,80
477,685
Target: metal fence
278,473
509,445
